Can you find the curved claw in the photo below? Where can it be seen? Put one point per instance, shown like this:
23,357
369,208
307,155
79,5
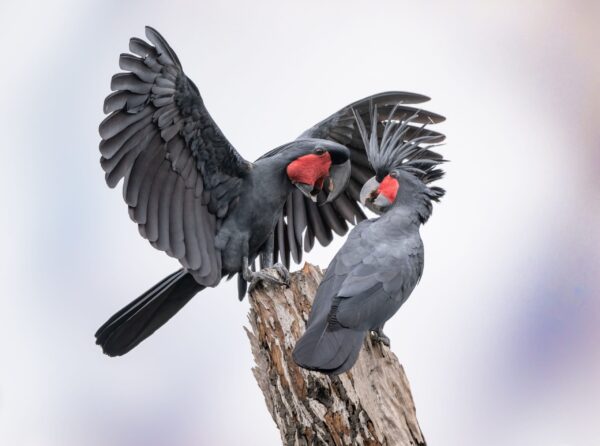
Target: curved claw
380,336
283,273
259,277
256,277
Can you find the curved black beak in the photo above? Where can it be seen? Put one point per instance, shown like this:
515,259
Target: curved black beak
335,184
370,198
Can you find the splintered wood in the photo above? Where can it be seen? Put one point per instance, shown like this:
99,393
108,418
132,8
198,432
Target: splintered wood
369,405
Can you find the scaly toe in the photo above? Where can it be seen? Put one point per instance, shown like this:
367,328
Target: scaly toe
284,273
380,337
261,277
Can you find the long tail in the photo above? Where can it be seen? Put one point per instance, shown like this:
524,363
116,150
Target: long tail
142,317
328,347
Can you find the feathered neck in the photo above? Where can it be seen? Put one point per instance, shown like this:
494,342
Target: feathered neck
417,204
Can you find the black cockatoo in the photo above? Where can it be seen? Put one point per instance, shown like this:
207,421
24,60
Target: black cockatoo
381,262
194,197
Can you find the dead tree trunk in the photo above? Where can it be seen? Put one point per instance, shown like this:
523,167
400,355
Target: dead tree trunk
369,405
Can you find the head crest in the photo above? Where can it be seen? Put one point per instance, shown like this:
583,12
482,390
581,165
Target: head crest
398,144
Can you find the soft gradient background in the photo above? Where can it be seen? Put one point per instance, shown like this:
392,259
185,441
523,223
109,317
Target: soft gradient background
500,340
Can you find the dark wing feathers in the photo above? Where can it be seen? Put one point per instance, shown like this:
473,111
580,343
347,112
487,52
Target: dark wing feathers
309,239
332,219
320,221
321,230
181,174
295,246
378,286
346,208
299,219
371,277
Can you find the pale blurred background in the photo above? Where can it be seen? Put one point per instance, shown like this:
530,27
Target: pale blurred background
501,339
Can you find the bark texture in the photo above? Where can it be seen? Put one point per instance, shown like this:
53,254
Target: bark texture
369,405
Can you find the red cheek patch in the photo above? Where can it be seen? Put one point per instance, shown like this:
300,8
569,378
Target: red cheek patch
309,169
389,188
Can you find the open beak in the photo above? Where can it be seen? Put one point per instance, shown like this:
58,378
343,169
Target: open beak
331,187
372,199
309,191
335,184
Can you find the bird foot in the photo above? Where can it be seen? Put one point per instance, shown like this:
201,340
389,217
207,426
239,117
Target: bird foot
379,336
283,272
281,277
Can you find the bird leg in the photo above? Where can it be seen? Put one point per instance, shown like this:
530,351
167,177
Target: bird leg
254,278
266,252
266,260
378,335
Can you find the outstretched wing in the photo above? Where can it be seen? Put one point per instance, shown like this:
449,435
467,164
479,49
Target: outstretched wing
181,174
302,221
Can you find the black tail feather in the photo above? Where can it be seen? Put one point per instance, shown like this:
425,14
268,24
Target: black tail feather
328,349
142,317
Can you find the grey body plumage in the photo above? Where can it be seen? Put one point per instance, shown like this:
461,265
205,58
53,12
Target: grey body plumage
381,262
196,198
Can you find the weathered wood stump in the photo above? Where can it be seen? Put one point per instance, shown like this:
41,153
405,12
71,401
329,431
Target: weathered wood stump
369,405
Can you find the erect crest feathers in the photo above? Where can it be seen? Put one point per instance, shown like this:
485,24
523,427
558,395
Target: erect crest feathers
394,144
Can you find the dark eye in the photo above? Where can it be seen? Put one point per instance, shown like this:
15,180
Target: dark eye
319,151
394,175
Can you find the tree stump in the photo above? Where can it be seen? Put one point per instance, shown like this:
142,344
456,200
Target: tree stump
369,405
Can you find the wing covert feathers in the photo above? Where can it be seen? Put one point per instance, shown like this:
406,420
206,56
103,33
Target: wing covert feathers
180,172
